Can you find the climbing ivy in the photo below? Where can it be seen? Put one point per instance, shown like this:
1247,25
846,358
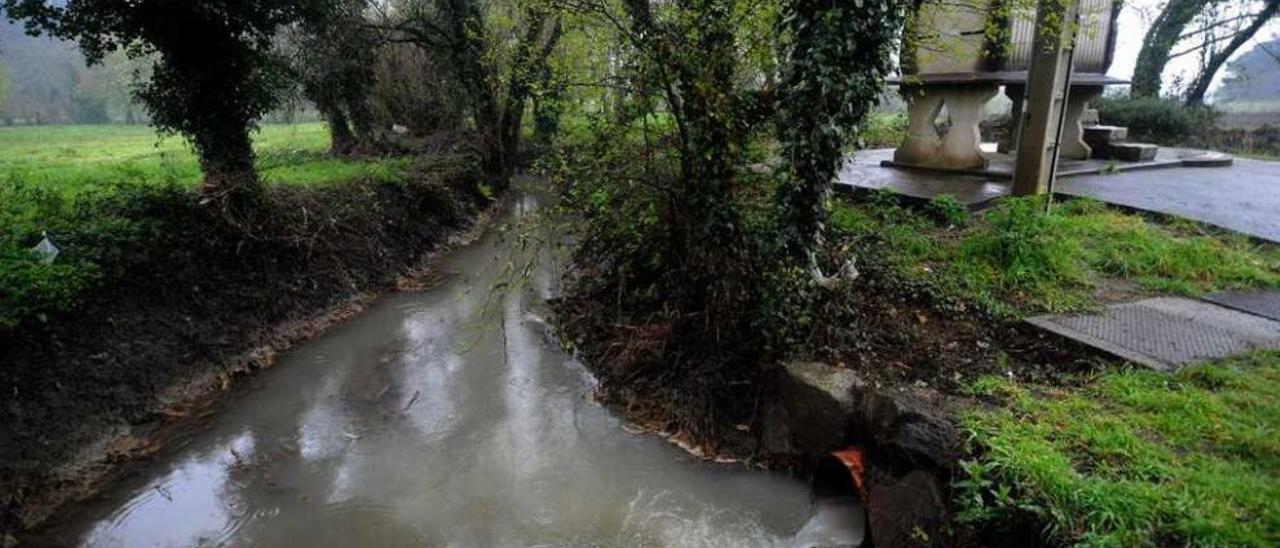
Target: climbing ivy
837,56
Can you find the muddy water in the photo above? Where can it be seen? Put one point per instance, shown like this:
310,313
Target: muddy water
437,420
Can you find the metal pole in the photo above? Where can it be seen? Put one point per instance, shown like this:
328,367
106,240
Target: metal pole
1062,112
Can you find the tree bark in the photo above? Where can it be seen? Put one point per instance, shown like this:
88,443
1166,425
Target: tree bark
530,60
1195,95
226,158
1159,42
341,140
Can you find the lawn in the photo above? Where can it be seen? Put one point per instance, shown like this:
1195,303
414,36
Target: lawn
1014,260
73,159
1133,457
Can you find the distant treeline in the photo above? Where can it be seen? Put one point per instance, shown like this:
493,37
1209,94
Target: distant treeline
45,81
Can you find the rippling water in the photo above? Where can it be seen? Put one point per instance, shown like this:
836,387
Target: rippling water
429,422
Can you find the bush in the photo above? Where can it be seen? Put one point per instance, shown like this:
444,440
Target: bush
1163,121
883,129
30,289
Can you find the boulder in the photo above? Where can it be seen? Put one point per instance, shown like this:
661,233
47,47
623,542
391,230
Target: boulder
812,412
906,512
1103,136
908,427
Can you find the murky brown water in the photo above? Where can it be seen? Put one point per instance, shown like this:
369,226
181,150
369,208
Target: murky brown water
426,422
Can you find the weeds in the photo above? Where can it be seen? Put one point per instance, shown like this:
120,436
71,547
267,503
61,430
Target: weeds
96,189
946,211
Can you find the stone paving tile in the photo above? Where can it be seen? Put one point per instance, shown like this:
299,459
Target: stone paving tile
1258,303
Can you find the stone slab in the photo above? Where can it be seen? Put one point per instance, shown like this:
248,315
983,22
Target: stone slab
1105,135
1132,152
1258,303
1166,333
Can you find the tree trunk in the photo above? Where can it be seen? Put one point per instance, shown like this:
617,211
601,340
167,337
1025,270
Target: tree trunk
341,140
226,158
361,120
1159,42
530,59
1195,95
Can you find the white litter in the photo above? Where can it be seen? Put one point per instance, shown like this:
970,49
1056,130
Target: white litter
48,252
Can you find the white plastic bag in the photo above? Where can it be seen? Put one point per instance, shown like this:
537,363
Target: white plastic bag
48,252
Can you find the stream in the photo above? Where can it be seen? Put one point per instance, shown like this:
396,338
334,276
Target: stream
427,421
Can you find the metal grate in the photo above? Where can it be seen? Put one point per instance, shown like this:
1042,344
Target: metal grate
1166,333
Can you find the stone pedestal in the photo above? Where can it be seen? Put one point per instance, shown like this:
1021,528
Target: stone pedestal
1073,144
925,145
1009,143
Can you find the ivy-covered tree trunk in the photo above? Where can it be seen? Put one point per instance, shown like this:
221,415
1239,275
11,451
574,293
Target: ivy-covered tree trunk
341,139
1158,44
226,158
361,118
530,60
547,106
713,143
838,54
693,60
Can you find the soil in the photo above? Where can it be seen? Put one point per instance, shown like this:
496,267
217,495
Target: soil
196,304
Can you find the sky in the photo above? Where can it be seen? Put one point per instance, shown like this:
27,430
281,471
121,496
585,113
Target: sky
1136,16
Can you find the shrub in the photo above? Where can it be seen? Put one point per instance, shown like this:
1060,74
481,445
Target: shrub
883,129
1164,121
30,289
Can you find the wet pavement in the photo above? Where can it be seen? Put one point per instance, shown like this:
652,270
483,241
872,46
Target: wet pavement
1244,197
440,418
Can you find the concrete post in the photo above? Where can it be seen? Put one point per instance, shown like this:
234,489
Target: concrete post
1044,96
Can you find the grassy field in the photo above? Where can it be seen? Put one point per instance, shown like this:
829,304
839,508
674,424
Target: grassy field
72,159
1120,457
1134,457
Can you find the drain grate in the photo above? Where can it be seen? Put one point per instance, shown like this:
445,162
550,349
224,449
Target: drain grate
1166,333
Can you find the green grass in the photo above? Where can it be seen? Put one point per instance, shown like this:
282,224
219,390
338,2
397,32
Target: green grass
1014,259
75,159
1134,457
46,171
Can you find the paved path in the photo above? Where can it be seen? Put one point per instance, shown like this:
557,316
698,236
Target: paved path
1244,197
1166,333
